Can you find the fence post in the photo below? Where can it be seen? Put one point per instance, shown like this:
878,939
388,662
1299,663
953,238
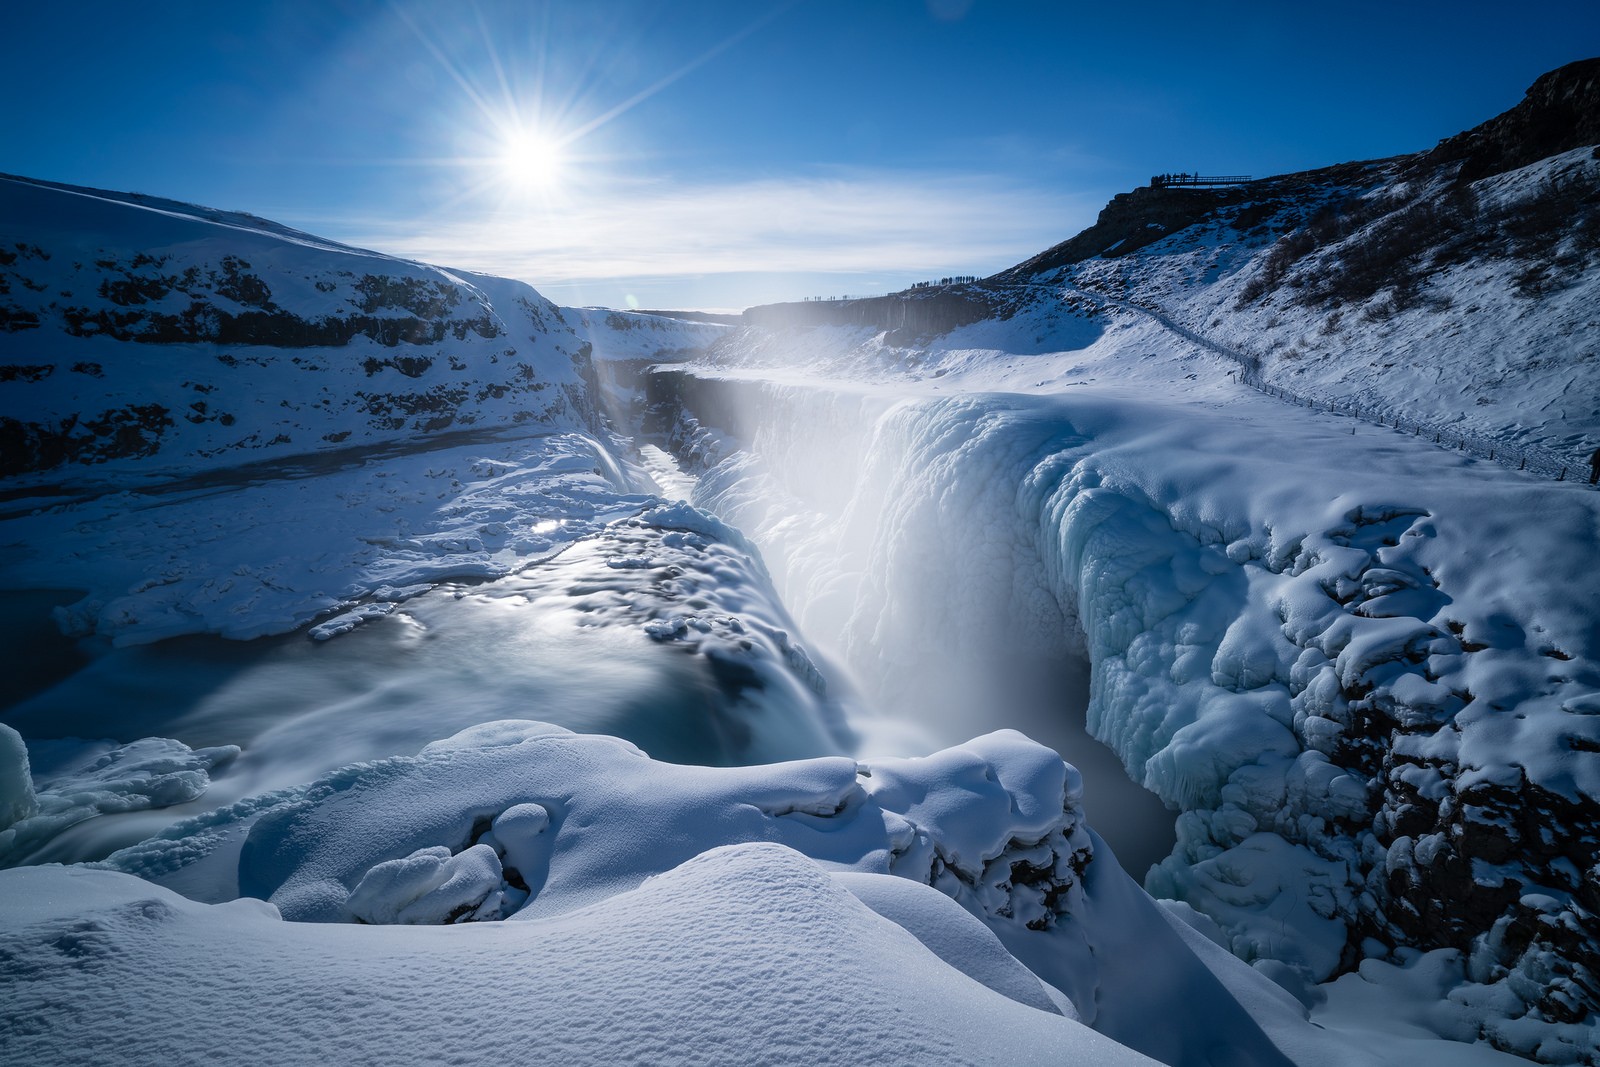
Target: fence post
1562,476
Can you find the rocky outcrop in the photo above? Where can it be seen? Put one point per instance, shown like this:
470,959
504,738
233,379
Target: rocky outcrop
182,334
906,316
1560,112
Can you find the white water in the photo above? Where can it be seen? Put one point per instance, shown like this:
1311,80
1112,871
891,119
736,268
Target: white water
896,534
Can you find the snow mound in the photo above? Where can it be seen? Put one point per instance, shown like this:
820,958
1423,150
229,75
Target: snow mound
519,814
742,954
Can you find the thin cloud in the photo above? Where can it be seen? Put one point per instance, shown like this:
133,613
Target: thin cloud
846,223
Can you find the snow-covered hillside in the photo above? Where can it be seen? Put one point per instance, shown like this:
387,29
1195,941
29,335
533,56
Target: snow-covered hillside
1455,288
136,328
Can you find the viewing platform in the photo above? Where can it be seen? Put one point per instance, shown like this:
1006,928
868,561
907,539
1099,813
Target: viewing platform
1198,181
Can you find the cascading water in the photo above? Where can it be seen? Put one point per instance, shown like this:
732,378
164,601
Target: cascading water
905,537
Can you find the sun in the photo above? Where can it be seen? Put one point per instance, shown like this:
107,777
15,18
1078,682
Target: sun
531,161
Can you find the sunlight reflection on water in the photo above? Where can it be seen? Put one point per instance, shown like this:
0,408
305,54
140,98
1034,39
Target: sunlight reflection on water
301,708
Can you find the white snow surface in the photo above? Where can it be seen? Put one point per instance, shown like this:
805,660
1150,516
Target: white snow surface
525,821
742,954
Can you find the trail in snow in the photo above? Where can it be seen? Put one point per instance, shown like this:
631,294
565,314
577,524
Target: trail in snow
1523,459
666,473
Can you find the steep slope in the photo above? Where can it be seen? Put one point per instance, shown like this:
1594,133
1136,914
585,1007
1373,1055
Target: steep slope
133,328
1455,288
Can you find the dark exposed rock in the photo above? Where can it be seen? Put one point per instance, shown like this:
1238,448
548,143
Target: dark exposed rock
14,320
1560,112
202,323
410,366
422,298
909,315
120,433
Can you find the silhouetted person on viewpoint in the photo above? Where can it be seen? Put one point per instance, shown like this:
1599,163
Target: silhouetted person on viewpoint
1594,467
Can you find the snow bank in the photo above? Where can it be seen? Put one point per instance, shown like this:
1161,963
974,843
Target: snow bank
261,553
748,953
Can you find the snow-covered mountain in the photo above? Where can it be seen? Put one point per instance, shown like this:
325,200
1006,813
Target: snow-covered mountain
298,540
1454,289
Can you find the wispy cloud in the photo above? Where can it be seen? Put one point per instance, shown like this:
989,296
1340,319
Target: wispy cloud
843,222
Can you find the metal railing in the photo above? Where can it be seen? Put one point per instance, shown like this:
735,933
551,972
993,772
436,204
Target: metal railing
1165,181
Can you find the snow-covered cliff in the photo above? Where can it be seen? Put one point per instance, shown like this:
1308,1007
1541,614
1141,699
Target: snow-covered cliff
133,328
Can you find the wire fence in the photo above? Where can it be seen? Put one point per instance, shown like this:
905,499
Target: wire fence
1532,460
1529,459
932,283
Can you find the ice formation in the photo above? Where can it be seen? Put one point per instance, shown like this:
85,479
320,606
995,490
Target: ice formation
85,780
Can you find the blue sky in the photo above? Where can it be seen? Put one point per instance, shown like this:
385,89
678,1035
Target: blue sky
721,154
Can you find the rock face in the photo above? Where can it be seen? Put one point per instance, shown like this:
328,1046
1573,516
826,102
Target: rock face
1560,112
909,315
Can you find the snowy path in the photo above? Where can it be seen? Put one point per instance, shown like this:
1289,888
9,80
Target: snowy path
1532,461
